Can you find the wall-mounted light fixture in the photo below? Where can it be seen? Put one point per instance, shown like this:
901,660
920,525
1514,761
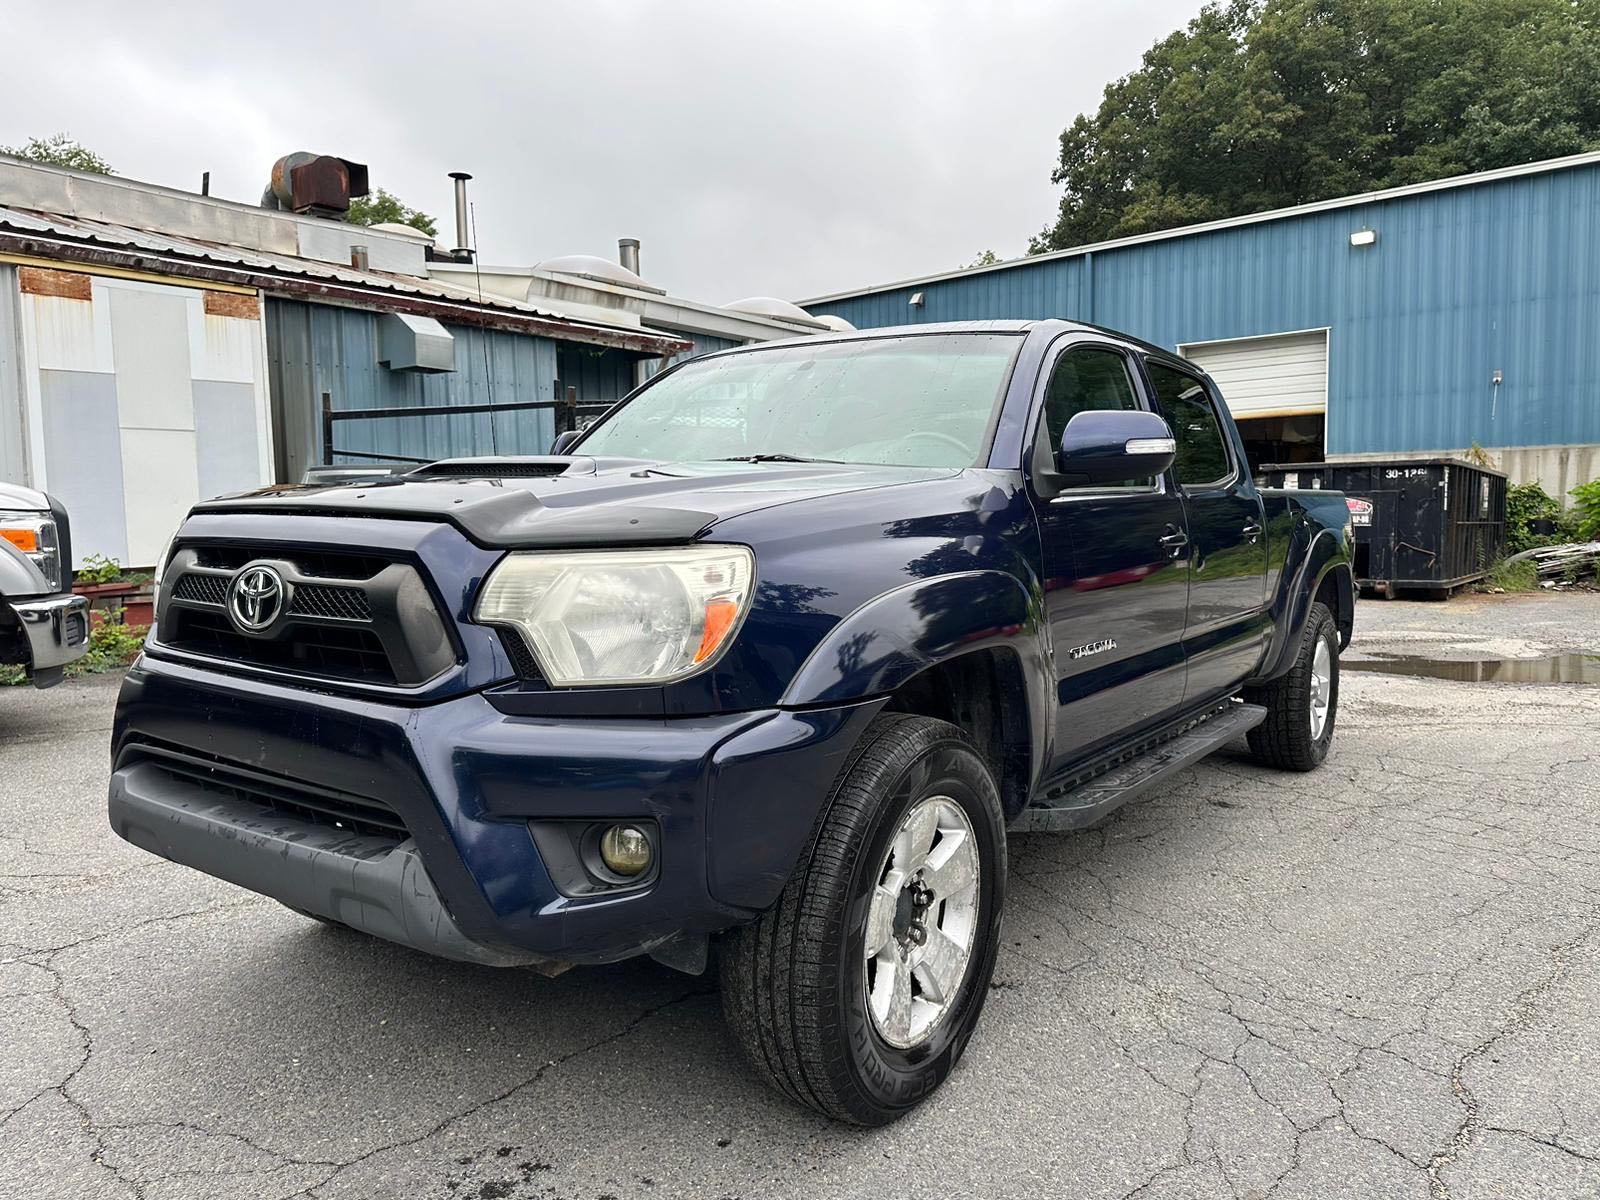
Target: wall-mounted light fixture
916,299
1364,237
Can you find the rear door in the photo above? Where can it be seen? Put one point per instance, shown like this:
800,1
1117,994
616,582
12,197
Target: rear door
1116,570
1228,624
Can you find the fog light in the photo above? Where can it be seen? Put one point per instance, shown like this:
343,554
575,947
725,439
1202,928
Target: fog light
625,850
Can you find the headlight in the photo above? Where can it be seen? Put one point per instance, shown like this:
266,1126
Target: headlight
34,533
614,617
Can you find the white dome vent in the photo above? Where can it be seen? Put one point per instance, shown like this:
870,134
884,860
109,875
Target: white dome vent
592,266
410,231
771,306
837,324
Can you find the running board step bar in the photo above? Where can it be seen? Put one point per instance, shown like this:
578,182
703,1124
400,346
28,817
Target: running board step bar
1086,804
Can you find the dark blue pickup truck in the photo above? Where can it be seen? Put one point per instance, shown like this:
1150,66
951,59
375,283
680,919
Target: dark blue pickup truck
768,662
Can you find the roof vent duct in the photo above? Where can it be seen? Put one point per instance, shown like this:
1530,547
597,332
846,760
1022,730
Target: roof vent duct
463,250
317,185
628,253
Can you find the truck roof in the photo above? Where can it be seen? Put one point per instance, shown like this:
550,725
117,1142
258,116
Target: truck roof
1052,324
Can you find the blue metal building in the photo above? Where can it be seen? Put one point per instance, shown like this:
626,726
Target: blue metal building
1419,319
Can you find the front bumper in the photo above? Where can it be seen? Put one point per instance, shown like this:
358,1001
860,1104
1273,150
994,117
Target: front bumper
734,798
56,629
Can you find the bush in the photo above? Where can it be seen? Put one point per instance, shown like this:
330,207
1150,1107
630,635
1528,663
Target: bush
1512,576
97,568
1586,512
1525,503
112,646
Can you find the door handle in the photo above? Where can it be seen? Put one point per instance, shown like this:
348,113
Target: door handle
1252,531
1174,540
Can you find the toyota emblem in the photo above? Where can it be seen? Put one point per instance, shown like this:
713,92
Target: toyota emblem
255,599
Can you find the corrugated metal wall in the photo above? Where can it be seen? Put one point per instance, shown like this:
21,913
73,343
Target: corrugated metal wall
1503,275
315,348
599,374
704,343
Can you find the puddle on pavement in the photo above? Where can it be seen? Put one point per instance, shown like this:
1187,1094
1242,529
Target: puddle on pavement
1558,668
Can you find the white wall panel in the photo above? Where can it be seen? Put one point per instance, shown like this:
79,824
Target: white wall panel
117,399
68,334
83,459
150,344
228,456
161,486
224,349
13,423
1268,376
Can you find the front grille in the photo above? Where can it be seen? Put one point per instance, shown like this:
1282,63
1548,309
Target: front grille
202,589
352,618
320,806
323,564
324,600
341,652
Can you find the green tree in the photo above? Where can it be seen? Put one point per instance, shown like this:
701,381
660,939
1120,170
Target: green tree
61,151
379,206
986,258
1260,104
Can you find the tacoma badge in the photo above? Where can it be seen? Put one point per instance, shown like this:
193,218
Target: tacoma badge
1099,647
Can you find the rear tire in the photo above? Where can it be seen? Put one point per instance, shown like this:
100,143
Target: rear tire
1303,704
863,1030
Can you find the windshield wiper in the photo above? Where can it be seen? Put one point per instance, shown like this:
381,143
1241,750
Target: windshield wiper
759,458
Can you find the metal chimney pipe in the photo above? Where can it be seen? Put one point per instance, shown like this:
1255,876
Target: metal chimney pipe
628,253
461,178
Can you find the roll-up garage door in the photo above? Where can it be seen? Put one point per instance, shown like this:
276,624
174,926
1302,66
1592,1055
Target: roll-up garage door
1277,376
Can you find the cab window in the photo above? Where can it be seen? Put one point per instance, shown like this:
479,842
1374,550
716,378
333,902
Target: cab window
1202,447
1088,379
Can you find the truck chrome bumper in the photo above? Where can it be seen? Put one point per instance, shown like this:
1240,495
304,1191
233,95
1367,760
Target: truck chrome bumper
57,628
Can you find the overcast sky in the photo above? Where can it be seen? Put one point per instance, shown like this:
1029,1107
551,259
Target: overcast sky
755,148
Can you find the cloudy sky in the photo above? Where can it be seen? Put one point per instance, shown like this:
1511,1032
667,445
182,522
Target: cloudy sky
755,148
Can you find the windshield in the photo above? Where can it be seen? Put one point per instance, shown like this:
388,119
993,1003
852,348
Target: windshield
922,400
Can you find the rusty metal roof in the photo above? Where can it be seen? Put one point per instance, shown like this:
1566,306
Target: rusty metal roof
86,241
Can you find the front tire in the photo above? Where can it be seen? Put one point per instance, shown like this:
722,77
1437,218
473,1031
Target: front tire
857,993
1303,704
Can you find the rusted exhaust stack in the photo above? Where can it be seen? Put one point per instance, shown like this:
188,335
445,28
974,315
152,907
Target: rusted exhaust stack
628,253
462,249
317,185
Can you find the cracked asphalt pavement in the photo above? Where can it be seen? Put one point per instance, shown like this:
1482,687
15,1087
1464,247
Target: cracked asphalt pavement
1378,980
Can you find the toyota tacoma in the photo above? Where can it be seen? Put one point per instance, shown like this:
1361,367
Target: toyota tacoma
762,669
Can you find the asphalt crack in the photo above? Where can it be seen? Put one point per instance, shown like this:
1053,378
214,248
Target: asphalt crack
1523,1009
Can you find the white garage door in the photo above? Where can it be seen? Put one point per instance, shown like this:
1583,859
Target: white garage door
1278,376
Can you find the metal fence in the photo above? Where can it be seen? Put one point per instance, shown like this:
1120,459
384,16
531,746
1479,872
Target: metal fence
569,414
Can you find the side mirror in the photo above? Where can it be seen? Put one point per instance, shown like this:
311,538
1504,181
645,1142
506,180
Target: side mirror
563,440
1115,446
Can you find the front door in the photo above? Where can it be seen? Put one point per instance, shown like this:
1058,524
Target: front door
1228,623
1117,566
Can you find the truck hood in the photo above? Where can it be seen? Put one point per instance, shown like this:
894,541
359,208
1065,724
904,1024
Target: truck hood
14,496
547,501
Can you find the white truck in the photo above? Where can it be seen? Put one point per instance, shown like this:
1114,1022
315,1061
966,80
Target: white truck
43,626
